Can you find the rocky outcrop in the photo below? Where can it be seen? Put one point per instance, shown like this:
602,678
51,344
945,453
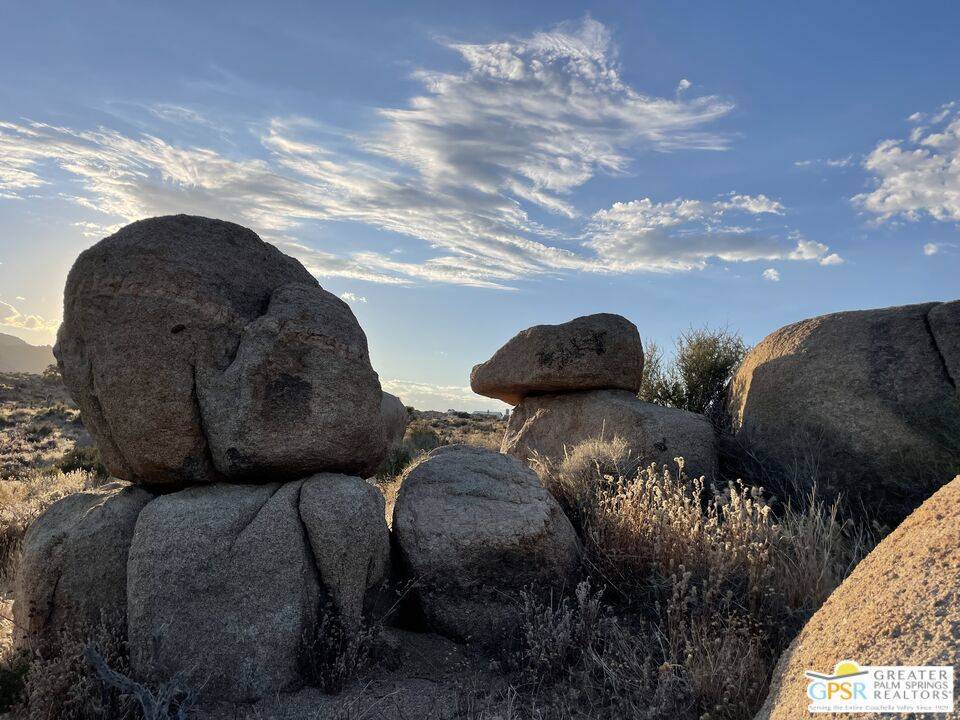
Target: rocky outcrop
475,527
588,353
226,581
73,571
196,352
898,607
548,425
869,398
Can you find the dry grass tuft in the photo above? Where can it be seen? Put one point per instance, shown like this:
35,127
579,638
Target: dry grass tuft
706,586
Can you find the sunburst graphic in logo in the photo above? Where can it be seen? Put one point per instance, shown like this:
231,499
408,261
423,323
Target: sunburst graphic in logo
843,669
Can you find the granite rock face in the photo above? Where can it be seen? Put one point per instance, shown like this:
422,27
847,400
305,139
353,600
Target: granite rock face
73,570
197,353
547,425
588,353
898,607
475,527
868,397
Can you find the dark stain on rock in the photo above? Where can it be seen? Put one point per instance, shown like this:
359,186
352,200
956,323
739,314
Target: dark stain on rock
565,353
287,398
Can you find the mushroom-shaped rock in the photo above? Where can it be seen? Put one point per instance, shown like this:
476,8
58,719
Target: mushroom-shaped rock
475,527
588,353
549,425
867,397
162,316
226,582
898,607
73,570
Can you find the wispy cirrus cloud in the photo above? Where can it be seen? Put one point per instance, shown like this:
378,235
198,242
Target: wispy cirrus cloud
920,175
460,168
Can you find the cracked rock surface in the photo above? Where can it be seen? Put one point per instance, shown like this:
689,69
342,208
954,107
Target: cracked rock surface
588,353
866,400
197,353
475,527
226,581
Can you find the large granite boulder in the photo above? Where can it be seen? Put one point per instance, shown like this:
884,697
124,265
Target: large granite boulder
181,333
226,582
588,353
475,527
73,570
867,398
899,606
550,425
300,395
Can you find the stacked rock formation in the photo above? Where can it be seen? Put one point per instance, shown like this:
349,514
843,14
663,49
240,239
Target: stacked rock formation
578,381
865,403
234,402
201,358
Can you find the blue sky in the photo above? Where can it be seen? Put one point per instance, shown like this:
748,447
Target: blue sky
459,172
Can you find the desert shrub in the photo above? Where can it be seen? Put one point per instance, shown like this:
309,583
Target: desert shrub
420,437
38,431
60,683
706,586
331,655
704,362
397,458
83,458
23,500
51,374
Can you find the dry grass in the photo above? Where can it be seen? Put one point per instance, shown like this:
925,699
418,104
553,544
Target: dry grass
706,587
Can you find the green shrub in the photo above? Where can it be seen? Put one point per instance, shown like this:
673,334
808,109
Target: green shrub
83,458
704,362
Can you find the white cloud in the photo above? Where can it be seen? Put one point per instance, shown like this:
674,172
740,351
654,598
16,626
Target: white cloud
13,318
841,162
685,234
352,297
683,86
831,259
931,249
428,396
916,117
459,168
919,176
771,274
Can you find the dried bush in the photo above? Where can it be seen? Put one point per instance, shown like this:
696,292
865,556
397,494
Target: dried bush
332,655
23,500
706,586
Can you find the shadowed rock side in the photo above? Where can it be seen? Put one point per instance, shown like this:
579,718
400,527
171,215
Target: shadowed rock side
587,353
900,606
867,398
74,563
159,320
395,418
545,425
226,581
475,527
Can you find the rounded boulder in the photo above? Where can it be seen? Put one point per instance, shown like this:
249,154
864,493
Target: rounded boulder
474,528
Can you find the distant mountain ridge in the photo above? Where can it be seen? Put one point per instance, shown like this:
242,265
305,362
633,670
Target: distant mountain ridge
17,355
